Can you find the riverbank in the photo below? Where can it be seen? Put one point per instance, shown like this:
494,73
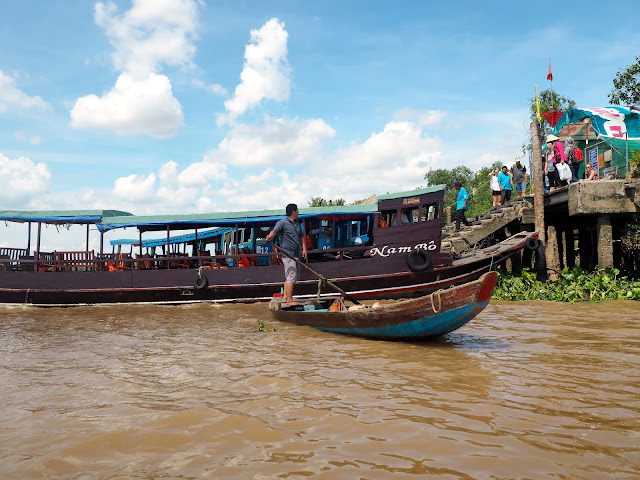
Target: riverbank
575,285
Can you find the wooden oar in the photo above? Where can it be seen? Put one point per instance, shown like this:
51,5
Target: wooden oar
319,275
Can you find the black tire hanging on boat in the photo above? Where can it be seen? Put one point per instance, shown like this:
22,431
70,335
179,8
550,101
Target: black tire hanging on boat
200,282
419,260
531,244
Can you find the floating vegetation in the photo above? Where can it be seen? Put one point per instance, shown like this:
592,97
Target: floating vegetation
574,286
262,329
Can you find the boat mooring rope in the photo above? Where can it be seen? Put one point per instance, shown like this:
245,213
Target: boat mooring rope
439,301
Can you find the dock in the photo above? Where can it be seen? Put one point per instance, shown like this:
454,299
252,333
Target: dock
584,222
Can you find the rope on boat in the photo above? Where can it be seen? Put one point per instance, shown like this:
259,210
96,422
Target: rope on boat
439,301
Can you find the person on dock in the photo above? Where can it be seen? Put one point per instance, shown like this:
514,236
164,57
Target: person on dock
590,173
519,173
292,239
494,184
554,157
572,158
462,204
505,185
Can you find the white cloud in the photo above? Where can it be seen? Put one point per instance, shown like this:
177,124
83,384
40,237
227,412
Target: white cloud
277,141
133,106
21,136
395,159
286,160
151,33
215,88
201,173
22,181
135,187
12,98
266,71
420,117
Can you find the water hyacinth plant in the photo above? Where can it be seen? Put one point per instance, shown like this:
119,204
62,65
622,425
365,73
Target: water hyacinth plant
575,285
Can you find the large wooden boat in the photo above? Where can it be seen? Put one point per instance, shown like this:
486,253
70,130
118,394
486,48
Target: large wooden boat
386,249
432,315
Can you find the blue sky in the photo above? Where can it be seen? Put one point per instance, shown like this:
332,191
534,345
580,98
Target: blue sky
183,106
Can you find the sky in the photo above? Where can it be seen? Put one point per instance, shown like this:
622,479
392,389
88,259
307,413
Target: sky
195,106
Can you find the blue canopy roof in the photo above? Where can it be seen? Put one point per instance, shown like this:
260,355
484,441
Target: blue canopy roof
240,219
157,242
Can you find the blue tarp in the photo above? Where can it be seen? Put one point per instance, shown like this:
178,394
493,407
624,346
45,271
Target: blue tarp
617,126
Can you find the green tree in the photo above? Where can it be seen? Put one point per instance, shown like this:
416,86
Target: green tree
321,202
476,183
441,176
549,101
317,202
626,86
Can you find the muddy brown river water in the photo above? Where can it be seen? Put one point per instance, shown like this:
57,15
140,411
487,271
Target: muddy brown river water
528,390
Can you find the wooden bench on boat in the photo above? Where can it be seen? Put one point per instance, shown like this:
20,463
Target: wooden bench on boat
66,261
10,256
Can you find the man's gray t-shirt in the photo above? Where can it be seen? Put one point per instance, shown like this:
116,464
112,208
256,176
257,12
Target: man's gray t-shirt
518,173
289,234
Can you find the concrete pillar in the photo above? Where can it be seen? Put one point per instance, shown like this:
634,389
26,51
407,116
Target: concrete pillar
605,241
585,247
563,246
553,263
571,248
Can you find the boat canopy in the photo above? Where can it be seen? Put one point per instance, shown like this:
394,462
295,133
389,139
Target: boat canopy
60,217
158,242
256,217
413,193
233,219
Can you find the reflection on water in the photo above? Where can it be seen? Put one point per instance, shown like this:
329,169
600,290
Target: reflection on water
527,390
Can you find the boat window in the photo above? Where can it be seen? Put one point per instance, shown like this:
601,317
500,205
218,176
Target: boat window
262,233
386,218
409,215
430,212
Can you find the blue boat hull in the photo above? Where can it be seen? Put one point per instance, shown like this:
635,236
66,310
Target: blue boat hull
429,316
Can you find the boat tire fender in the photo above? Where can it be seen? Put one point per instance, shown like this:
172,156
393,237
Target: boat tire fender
531,244
200,282
419,259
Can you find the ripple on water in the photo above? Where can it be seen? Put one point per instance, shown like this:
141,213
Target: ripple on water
527,390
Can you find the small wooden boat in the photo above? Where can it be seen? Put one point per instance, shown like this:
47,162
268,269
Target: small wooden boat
432,315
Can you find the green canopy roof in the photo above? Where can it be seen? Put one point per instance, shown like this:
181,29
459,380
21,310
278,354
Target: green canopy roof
413,193
59,216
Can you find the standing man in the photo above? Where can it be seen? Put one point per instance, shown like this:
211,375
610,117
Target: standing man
461,205
519,173
505,184
291,238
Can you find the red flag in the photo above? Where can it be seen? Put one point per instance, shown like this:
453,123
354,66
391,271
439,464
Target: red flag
552,117
550,76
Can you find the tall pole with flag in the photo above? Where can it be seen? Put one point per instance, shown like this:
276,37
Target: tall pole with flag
550,78
538,104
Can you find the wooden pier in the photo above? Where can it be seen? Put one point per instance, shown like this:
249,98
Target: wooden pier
584,222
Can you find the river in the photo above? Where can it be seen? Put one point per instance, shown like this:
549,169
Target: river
527,390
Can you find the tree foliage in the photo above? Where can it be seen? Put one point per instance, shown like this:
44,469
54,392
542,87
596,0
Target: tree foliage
476,184
626,86
549,101
321,202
